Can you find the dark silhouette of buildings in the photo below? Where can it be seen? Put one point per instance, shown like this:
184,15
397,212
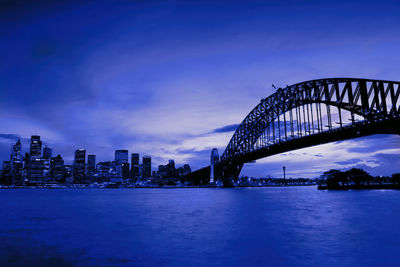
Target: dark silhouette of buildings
36,163
146,167
39,167
134,166
47,152
121,164
57,170
16,164
91,167
79,166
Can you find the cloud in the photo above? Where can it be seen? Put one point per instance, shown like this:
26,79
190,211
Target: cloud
348,162
13,137
227,128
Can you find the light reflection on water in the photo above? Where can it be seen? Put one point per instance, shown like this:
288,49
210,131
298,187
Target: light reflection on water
199,227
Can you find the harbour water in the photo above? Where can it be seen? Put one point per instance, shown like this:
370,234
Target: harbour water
282,226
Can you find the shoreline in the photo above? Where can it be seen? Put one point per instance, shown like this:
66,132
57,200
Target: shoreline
360,187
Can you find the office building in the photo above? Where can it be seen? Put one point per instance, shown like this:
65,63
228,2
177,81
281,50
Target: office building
36,163
16,161
35,151
57,170
146,167
79,166
91,167
134,166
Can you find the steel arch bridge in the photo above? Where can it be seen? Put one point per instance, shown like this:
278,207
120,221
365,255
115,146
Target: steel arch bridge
311,113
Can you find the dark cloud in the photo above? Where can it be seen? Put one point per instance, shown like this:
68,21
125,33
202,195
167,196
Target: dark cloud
347,162
225,129
9,136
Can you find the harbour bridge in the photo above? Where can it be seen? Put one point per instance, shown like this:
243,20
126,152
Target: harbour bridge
307,114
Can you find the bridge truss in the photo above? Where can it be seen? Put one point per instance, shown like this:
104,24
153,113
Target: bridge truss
311,113
307,114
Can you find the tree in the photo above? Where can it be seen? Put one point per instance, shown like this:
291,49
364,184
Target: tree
396,178
358,175
332,177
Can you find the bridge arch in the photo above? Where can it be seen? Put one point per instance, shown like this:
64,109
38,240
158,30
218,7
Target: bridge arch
311,113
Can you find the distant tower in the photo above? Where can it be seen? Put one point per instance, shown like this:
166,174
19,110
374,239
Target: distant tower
146,167
121,156
36,147
214,160
79,166
47,151
121,163
91,166
134,166
36,163
16,161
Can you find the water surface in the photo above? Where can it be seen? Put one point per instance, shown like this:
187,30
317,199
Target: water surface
199,227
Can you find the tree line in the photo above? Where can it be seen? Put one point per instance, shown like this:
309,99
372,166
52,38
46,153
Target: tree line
355,176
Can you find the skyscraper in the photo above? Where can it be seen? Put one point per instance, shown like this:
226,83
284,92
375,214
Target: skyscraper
121,156
36,163
16,160
134,166
91,168
214,161
47,151
57,170
46,162
121,163
79,166
146,167
36,147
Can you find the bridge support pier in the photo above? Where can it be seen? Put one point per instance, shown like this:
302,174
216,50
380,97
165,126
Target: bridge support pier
230,173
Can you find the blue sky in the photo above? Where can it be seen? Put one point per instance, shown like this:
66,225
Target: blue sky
168,78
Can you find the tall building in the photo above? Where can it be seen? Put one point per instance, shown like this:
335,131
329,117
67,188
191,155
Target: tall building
6,177
79,166
91,167
121,163
171,171
47,151
16,161
57,170
146,167
36,163
121,156
36,147
214,161
46,161
134,166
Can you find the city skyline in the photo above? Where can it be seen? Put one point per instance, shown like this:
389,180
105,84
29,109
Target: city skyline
174,80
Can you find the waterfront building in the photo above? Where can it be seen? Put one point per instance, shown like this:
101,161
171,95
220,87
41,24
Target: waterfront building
146,167
171,172
121,164
6,176
36,170
134,166
103,171
141,170
184,170
57,169
25,167
79,166
16,161
36,163
214,161
91,167
35,150
121,156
